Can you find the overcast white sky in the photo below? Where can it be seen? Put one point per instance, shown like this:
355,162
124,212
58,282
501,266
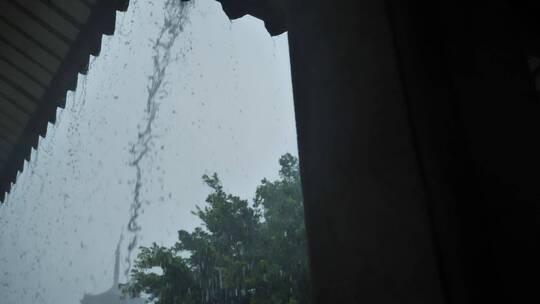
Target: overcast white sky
228,109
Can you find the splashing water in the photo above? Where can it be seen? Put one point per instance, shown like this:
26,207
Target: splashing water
175,17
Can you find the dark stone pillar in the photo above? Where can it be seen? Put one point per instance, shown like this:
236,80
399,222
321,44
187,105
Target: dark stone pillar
417,128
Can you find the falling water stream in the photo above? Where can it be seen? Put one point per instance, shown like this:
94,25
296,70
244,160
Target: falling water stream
175,17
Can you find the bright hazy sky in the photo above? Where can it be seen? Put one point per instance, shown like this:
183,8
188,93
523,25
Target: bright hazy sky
226,107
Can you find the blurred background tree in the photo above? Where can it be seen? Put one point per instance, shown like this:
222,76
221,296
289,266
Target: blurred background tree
243,253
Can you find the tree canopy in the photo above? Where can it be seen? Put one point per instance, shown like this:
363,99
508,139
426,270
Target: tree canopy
243,253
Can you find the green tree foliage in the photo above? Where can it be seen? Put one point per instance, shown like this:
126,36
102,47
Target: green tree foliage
243,253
